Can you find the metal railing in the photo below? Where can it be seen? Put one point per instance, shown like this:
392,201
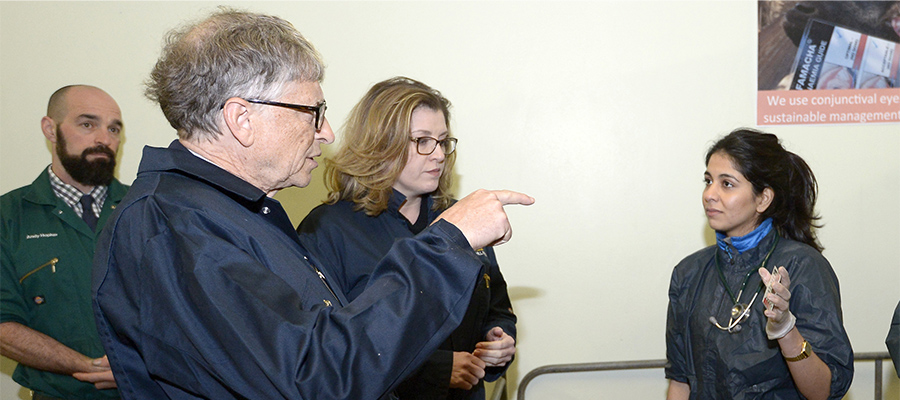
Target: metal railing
878,357
499,392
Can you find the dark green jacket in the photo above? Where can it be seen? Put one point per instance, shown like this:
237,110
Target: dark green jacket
47,254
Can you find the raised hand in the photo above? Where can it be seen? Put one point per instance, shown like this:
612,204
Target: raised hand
481,218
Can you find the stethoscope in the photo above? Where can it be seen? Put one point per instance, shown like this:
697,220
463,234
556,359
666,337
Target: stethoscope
740,312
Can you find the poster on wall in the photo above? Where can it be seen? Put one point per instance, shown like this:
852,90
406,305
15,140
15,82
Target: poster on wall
828,62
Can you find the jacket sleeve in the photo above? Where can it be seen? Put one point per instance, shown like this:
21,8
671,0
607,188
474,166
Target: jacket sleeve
893,340
207,317
676,327
500,312
12,297
816,303
432,380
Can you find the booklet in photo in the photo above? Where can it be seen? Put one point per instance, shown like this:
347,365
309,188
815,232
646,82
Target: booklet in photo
834,57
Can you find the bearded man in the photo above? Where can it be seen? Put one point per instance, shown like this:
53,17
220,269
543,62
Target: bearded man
49,231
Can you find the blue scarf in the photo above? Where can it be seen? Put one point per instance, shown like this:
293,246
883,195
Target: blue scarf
746,242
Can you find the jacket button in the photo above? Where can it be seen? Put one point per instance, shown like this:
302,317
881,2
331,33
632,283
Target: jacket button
265,210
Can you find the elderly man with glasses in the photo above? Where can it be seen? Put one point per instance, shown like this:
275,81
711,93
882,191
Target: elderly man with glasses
201,286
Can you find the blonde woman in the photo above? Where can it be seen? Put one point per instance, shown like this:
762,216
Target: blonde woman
390,179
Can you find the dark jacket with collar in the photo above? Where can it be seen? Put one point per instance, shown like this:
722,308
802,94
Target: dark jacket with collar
203,290
746,364
357,242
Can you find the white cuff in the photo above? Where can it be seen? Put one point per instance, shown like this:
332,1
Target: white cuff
778,332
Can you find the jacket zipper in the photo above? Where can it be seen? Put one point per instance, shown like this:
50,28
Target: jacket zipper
51,263
322,277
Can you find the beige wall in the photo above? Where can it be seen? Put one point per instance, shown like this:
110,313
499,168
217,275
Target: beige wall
600,110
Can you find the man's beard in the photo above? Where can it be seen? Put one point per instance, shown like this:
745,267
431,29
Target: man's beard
98,172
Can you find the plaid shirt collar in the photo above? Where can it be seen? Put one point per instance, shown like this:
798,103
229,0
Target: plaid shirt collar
72,196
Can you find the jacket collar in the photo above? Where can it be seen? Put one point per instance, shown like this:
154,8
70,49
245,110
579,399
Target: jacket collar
40,191
397,199
178,159
395,202
751,257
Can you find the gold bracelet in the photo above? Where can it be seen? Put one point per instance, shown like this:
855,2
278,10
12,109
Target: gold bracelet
804,353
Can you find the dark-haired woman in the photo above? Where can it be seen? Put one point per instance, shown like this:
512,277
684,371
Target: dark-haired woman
390,179
735,330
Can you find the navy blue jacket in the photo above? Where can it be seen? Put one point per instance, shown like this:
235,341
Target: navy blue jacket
746,364
357,241
202,290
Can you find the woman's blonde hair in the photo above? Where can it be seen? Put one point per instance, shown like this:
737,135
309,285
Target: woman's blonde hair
375,146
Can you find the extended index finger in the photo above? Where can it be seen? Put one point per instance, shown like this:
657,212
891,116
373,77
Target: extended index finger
511,197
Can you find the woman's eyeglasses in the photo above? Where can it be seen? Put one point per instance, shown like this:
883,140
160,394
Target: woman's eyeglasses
425,145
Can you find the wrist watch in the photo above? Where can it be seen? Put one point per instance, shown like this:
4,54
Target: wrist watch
804,353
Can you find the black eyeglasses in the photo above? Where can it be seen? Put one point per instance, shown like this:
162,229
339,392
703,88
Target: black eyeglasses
426,145
318,109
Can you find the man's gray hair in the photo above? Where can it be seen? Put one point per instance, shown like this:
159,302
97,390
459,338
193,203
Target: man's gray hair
229,54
